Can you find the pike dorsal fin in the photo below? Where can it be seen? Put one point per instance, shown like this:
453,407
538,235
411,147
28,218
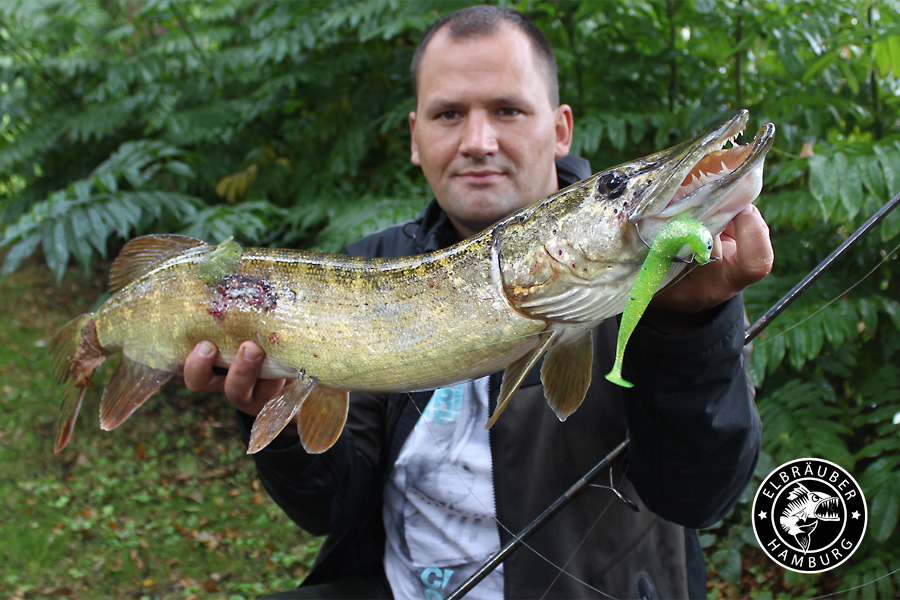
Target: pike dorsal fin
566,374
142,254
515,374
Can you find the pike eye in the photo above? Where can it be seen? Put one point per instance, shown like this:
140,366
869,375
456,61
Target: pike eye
612,185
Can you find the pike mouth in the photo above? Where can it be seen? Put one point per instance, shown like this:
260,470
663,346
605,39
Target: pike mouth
709,182
826,510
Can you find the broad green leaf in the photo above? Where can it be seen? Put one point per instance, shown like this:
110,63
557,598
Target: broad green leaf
883,57
849,185
884,510
19,252
872,176
615,127
890,167
879,472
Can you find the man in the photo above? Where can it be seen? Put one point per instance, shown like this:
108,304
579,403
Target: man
415,494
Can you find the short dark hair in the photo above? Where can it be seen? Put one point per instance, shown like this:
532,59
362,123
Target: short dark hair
482,20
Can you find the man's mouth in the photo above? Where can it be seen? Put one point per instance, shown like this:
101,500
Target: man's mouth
481,176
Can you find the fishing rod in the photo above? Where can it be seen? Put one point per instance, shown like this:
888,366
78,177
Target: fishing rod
583,483
807,281
517,540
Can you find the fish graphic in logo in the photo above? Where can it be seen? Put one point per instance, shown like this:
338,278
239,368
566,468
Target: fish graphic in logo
804,511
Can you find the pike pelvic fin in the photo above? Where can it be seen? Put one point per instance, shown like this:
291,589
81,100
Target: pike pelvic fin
76,354
130,386
322,418
142,254
566,374
515,374
278,412
322,414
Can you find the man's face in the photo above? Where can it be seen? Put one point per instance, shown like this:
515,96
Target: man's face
484,130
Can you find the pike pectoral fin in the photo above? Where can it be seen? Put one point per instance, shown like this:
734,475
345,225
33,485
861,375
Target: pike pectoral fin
515,374
322,418
278,412
566,374
130,386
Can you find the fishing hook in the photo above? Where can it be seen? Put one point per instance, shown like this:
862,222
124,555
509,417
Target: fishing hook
500,556
621,496
676,259
579,486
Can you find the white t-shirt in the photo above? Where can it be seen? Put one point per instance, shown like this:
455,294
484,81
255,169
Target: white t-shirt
439,511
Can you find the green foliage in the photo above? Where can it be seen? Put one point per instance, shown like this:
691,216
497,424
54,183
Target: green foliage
286,123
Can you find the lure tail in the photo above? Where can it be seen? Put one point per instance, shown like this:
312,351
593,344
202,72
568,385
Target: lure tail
76,354
668,243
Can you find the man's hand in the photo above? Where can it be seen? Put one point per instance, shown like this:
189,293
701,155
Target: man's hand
746,257
241,385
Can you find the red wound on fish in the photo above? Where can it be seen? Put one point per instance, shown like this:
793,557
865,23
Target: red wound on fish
241,291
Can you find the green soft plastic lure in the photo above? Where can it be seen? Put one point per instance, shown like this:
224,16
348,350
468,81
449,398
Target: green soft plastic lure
668,243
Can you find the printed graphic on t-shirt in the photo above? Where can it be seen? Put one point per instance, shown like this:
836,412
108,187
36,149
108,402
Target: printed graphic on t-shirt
439,503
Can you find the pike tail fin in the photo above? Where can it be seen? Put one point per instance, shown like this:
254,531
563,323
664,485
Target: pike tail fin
76,353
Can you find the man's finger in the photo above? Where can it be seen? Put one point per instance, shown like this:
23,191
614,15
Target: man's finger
243,388
753,257
198,369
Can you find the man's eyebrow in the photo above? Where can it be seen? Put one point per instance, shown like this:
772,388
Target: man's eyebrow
509,101
438,106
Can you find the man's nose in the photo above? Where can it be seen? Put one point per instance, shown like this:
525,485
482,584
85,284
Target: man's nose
479,138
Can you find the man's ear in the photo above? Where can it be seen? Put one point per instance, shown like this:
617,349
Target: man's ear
565,123
414,149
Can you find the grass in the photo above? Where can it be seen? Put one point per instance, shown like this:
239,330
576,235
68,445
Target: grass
166,506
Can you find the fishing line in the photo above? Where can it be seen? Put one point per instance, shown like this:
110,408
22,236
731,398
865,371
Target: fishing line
808,280
590,529
856,587
886,257
514,535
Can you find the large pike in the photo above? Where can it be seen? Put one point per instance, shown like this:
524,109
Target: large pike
535,284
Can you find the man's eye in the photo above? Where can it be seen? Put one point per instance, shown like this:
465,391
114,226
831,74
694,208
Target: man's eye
509,111
448,115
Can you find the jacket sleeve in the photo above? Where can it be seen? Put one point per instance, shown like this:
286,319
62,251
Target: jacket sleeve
325,493
695,430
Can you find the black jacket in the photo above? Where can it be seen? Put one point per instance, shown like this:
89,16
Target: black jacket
695,440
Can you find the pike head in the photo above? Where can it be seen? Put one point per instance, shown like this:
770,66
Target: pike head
573,256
